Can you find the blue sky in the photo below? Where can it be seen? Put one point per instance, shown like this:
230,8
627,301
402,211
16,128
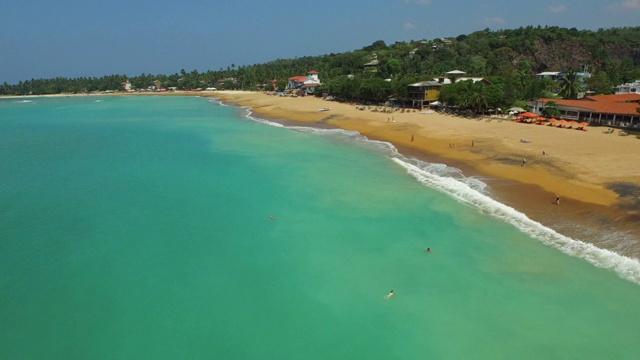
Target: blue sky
73,38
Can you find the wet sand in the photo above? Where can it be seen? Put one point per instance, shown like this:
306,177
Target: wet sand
596,175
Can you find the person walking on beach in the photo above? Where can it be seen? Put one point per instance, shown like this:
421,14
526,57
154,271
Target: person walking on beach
524,161
411,137
557,202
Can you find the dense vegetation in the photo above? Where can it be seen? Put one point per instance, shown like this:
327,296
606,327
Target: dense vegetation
509,59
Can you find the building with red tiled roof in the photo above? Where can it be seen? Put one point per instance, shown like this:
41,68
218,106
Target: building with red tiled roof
612,110
307,83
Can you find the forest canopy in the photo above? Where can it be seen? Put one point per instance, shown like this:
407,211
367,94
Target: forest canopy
509,59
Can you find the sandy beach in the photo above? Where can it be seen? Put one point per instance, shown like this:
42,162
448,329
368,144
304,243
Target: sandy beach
596,175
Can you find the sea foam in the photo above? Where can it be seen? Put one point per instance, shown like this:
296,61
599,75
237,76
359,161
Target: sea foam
625,267
472,191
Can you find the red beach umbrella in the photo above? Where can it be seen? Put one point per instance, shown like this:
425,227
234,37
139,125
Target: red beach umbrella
528,115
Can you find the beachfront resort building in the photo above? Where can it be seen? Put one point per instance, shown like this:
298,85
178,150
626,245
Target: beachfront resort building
305,84
610,110
426,93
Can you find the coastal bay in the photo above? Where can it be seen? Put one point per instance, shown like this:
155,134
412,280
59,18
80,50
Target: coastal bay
130,219
595,174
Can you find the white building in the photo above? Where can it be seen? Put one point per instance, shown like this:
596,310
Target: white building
307,83
557,75
628,88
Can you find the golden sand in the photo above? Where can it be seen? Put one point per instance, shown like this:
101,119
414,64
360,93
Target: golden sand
578,164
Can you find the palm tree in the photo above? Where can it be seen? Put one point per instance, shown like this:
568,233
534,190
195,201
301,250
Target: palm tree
570,85
473,96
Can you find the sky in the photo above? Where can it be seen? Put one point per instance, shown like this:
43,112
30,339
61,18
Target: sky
76,38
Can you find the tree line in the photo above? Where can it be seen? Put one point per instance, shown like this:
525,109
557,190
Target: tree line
509,59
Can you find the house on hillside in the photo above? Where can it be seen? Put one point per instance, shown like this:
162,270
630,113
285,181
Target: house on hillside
558,75
611,110
628,88
440,43
474,79
306,84
372,66
454,74
553,75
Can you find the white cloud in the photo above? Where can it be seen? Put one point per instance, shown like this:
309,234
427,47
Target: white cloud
409,26
419,2
494,21
625,5
557,8
631,4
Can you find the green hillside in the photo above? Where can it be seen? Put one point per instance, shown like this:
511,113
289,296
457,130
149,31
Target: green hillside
509,59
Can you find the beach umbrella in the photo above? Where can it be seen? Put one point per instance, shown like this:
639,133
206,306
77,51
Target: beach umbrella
553,120
528,115
516,109
584,123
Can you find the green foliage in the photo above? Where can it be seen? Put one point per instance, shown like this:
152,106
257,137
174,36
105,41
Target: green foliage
600,83
550,109
475,96
570,85
508,58
374,90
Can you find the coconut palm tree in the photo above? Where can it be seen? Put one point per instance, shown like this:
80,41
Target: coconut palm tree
570,85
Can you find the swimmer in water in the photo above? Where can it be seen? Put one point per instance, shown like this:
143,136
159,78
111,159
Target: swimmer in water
389,295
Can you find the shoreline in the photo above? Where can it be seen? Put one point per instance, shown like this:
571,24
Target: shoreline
584,168
589,211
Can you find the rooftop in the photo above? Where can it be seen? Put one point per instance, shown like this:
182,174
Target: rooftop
626,104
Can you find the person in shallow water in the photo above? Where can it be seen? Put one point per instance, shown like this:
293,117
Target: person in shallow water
389,295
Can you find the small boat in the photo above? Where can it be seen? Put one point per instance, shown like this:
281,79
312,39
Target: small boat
325,109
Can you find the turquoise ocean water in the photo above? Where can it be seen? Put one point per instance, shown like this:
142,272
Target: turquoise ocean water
139,228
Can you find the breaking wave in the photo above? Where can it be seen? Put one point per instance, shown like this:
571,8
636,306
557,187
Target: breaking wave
473,192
